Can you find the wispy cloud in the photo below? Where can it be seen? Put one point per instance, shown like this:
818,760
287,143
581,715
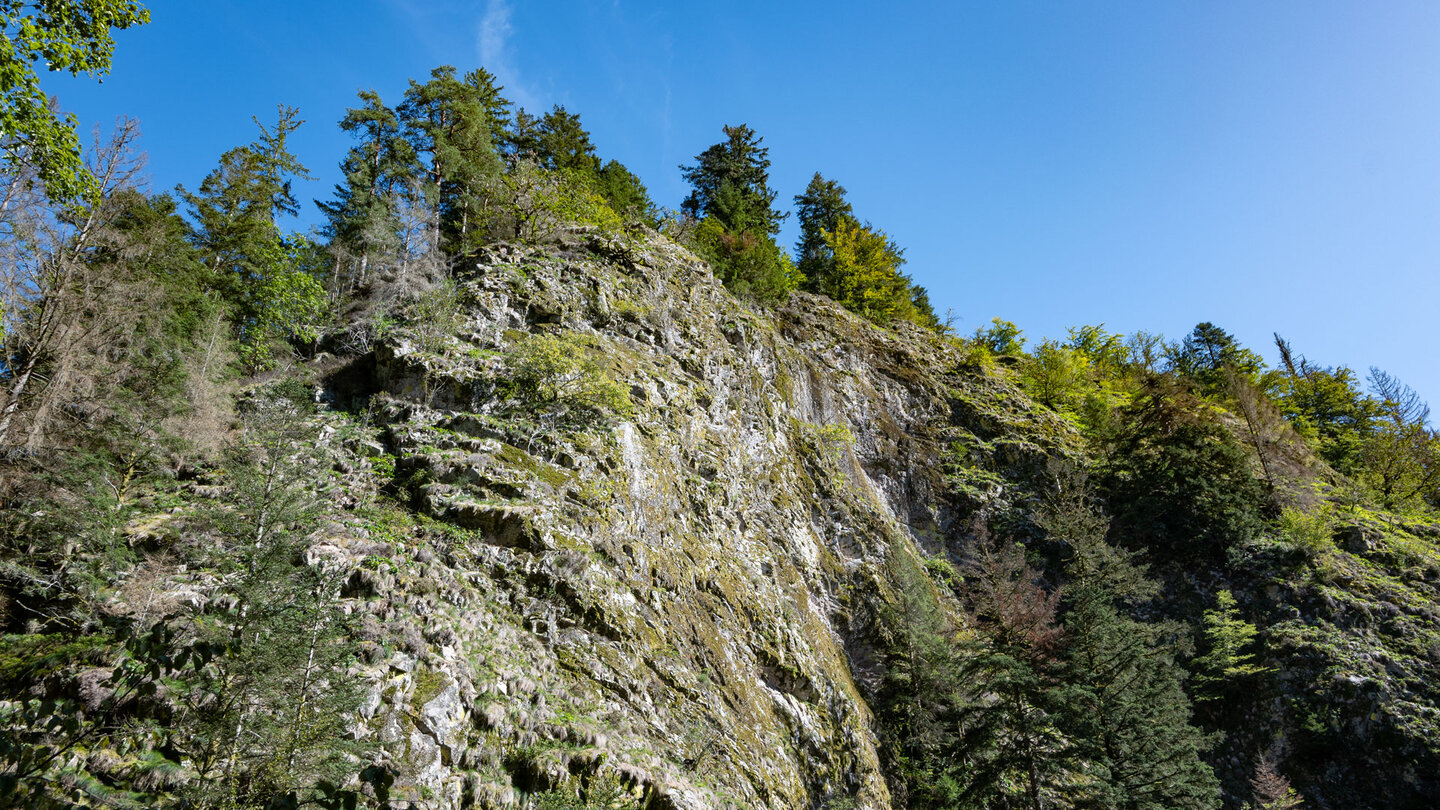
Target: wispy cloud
493,44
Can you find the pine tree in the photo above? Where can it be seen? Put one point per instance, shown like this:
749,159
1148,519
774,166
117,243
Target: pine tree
456,124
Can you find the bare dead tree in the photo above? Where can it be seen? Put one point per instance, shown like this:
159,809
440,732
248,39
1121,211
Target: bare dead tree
50,284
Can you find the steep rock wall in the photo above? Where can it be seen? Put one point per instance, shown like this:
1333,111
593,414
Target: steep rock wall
686,595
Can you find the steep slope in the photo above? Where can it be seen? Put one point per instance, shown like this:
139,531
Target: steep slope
596,518
688,592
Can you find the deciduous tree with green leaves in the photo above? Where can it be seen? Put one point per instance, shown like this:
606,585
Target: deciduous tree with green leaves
865,263
73,36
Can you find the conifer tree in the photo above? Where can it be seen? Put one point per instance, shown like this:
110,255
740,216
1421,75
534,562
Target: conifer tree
558,142
730,182
380,173
731,195
820,208
1208,354
1226,666
455,124
267,277
919,694
270,710
1014,750
625,193
1326,405
1178,484
561,143
1124,705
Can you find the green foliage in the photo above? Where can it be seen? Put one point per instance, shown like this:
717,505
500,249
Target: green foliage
73,36
1226,667
749,264
61,544
381,182
557,142
1001,338
604,791
453,125
1178,485
1055,375
865,267
539,202
435,315
269,716
856,265
243,705
731,182
1209,353
1312,532
625,193
556,379
268,279
1014,752
1401,456
918,694
1104,350
821,209
1123,703
1327,405
731,196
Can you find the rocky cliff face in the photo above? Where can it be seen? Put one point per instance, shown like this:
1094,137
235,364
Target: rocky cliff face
692,590
685,594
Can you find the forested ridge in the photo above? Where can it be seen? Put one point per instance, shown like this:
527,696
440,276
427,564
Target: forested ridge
248,474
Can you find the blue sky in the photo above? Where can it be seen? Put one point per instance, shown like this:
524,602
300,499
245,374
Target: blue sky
1270,167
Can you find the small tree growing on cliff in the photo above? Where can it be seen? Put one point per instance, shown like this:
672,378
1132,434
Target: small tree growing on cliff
555,378
270,713
1226,665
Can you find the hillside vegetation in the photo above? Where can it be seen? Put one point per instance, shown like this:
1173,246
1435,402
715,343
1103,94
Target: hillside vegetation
513,489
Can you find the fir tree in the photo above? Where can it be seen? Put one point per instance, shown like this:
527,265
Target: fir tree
730,194
456,124
267,277
1124,704
730,182
821,208
380,173
1226,666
